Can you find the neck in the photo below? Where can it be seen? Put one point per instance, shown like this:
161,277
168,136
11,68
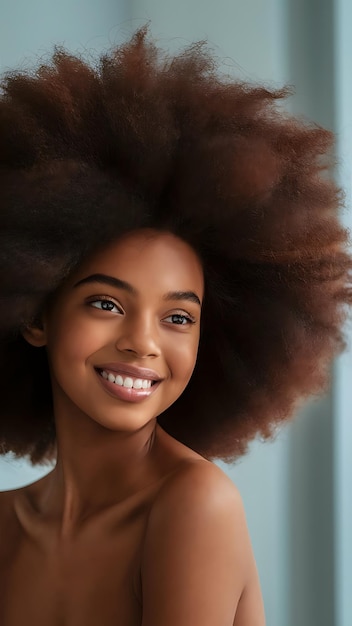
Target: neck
96,468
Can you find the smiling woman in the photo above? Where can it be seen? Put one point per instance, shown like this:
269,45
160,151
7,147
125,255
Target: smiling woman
174,279
125,342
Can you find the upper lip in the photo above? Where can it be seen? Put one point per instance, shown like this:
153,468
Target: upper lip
131,370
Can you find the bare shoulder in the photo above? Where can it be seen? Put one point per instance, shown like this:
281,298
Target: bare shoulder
201,490
194,475
197,539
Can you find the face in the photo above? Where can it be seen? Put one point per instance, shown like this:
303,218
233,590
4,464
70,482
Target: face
122,335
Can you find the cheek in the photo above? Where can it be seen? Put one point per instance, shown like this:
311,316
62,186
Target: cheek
73,340
184,356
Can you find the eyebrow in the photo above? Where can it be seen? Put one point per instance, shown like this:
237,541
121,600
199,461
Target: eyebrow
112,281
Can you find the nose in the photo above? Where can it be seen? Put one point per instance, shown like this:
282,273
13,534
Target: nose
139,336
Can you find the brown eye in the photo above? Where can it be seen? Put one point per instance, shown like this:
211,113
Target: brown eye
180,319
105,305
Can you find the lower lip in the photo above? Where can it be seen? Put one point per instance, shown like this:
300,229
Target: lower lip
125,393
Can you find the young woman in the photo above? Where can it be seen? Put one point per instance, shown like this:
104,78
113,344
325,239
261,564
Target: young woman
174,279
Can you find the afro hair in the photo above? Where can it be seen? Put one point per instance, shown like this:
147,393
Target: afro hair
141,139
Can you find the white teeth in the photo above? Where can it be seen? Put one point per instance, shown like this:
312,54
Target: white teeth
128,382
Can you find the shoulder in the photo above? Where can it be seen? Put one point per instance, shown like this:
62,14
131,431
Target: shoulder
189,475
196,539
200,487
197,501
200,508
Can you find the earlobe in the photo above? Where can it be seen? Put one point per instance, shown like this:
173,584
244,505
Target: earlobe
35,335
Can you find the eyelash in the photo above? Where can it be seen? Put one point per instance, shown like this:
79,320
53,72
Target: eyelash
186,316
189,319
92,301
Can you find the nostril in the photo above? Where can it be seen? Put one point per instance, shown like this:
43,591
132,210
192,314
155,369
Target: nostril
128,350
142,346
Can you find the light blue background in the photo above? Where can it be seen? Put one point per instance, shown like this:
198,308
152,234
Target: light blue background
296,490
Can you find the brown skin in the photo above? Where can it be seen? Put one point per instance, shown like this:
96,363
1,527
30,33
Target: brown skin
131,528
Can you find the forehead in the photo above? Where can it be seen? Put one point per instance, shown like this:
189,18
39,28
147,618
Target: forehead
149,257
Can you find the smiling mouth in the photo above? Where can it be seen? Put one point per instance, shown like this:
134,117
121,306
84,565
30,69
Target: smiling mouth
128,382
126,387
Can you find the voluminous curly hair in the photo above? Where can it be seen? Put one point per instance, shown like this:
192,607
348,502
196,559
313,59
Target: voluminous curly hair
141,139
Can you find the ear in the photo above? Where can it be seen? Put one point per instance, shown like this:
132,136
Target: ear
35,335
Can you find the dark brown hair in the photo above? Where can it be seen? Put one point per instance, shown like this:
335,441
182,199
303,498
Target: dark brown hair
142,139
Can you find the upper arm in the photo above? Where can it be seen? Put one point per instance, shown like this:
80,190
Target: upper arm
197,556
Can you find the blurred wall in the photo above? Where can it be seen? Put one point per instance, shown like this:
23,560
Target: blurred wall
296,489
342,439
30,29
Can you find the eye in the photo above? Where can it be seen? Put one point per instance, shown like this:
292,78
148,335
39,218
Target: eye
180,319
104,304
